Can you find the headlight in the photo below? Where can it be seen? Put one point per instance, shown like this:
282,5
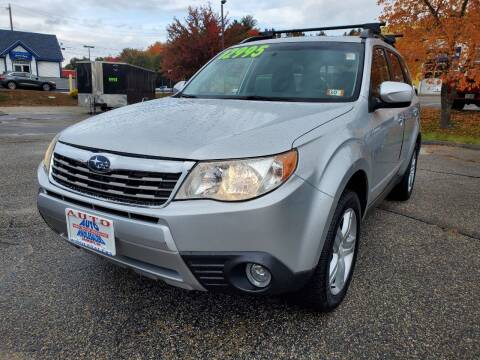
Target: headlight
235,180
48,154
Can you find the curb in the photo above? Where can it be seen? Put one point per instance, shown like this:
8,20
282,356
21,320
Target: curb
447,143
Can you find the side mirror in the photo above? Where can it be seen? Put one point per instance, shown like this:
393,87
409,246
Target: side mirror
179,86
393,95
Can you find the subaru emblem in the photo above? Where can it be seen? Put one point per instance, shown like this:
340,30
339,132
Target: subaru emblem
99,163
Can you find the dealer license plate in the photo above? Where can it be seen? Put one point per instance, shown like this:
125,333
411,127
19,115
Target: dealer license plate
90,231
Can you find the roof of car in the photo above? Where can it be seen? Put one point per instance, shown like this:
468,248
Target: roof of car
296,39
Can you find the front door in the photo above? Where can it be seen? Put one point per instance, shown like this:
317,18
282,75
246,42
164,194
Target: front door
387,128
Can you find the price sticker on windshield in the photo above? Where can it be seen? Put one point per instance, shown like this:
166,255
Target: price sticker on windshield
244,52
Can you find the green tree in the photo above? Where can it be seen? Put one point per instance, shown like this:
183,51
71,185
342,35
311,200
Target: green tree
73,62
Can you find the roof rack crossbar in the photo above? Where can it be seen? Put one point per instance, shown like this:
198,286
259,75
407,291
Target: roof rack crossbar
374,27
369,30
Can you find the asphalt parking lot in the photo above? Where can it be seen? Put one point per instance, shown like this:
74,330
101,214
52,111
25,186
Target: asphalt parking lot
433,101
415,291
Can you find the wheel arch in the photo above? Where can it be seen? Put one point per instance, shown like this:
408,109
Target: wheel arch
419,140
358,183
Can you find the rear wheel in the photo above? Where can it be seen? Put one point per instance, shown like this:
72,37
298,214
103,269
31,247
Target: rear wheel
11,85
404,188
329,283
46,87
458,105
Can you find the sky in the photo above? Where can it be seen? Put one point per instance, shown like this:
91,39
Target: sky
111,26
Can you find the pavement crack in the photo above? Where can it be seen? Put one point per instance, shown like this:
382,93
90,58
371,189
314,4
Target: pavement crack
7,243
450,173
444,227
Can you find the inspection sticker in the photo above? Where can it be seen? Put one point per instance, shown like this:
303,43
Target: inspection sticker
90,231
335,92
350,56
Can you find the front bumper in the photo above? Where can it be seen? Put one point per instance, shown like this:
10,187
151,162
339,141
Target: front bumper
281,230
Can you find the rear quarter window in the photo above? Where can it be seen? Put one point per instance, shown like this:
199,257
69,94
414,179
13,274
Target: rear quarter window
395,67
379,71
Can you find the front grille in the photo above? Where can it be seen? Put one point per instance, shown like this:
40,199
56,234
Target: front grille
125,186
208,270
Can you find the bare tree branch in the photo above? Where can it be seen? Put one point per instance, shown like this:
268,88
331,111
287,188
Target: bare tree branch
432,10
464,8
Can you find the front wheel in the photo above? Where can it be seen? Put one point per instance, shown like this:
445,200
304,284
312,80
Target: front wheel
46,87
329,283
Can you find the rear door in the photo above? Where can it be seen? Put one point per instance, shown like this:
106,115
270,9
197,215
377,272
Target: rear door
407,115
387,129
22,79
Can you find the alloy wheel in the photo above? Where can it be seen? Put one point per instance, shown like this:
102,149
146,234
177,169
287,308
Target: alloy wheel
343,251
411,175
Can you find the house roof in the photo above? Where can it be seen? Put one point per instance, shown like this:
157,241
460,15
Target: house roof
42,46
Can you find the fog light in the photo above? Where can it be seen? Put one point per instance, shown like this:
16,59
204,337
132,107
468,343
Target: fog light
258,275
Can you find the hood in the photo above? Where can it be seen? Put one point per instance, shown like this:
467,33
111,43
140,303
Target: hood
202,129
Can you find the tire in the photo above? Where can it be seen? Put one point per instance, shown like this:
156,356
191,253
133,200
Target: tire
11,85
403,190
458,105
324,291
46,87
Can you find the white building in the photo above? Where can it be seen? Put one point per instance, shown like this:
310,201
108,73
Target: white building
38,54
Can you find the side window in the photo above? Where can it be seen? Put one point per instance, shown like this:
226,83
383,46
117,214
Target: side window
396,67
406,73
379,71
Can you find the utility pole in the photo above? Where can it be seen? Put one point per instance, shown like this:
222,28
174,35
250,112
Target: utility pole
89,47
9,8
223,24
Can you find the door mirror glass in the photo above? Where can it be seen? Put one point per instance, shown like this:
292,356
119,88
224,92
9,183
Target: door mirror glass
179,86
396,94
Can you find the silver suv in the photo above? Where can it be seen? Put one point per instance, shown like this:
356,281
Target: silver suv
255,176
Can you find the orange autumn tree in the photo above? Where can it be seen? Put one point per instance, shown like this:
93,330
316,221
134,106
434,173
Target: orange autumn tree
433,30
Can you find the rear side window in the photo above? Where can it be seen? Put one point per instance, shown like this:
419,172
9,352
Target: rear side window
396,67
379,71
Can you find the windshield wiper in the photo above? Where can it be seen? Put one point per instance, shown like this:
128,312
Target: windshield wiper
256,97
265,98
187,96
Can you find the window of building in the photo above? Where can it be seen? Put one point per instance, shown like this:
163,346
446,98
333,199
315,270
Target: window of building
21,66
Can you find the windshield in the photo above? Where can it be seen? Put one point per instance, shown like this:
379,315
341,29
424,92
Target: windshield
303,71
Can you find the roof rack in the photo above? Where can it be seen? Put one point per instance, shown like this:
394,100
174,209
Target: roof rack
369,30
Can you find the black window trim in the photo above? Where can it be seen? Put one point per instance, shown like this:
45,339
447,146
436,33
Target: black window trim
406,71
